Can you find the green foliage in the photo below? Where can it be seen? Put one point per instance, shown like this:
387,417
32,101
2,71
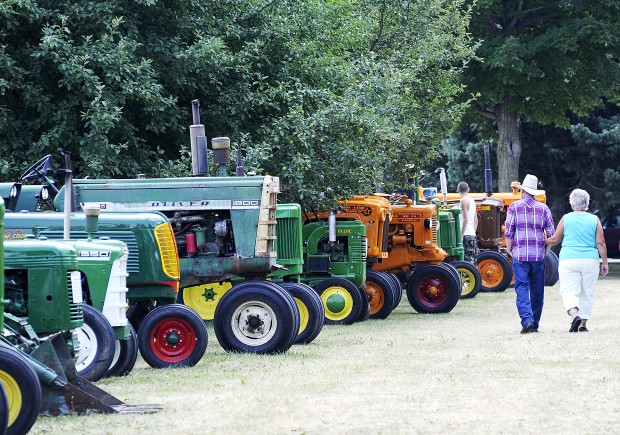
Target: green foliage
546,59
333,97
586,156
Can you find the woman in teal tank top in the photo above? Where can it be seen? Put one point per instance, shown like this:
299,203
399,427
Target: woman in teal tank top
581,234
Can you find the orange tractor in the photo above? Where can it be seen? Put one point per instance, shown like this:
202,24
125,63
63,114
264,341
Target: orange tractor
403,249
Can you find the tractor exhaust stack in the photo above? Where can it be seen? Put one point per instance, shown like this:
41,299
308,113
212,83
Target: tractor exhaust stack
488,178
198,142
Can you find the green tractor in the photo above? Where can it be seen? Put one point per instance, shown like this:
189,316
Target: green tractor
224,229
174,335
37,371
152,285
329,257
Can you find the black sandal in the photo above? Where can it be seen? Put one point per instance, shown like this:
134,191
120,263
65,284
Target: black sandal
574,326
583,329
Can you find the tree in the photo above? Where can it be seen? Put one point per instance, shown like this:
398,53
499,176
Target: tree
586,156
329,95
544,60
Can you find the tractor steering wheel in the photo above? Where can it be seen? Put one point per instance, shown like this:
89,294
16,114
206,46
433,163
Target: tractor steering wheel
38,170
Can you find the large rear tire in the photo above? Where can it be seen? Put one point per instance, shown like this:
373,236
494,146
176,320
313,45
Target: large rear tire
23,391
551,269
125,355
97,344
311,311
470,277
433,289
397,286
256,317
381,294
172,335
341,299
4,410
495,271
204,298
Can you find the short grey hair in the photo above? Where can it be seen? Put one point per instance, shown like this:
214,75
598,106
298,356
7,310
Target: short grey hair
463,187
579,199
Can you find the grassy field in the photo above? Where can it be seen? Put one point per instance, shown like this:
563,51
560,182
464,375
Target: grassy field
468,371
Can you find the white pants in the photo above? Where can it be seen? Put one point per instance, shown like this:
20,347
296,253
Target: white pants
577,281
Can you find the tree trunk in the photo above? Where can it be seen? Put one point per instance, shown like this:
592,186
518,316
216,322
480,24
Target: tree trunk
508,148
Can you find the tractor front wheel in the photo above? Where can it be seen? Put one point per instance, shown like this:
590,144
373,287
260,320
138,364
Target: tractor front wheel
96,352
23,391
433,289
342,300
125,355
172,335
311,311
257,317
495,271
470,276
381,295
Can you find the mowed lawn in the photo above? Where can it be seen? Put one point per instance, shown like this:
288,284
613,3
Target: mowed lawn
467,371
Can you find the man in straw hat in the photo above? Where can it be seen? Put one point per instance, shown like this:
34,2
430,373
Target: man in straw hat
527,221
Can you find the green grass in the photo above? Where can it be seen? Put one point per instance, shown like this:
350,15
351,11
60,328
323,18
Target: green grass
468,371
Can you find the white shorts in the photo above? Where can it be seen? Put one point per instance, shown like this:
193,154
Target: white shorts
577,281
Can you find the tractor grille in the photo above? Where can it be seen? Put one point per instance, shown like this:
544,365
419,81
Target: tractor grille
168,250
357,249
288,239
75,309
435,228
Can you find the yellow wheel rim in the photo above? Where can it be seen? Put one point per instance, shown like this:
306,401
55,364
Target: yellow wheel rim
469,281
14,394
204,298
338,303
304,315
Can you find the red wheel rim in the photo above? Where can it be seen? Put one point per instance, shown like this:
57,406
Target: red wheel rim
432,291
173,340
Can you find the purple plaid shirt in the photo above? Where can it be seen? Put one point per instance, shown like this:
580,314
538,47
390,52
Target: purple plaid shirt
525,221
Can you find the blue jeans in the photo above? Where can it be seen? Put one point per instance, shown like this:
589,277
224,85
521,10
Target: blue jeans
530,289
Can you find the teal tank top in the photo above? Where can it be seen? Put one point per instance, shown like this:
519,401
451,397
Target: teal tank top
579,236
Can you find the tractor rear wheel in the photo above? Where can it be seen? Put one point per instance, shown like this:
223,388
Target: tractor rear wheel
257,317
23,390
365,311
380,291
172,335
551,268
397,286
470,276
495,271
311,311
433,289
4,410
125,355
97,343
342,301
204,298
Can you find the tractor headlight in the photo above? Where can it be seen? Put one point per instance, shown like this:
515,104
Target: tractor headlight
428,223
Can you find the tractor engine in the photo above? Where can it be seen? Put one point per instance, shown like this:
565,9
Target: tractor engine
203,234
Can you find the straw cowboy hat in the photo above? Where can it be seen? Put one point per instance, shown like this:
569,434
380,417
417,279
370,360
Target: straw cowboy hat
530,184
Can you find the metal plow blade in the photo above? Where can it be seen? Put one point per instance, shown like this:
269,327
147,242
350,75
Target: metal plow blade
65,392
